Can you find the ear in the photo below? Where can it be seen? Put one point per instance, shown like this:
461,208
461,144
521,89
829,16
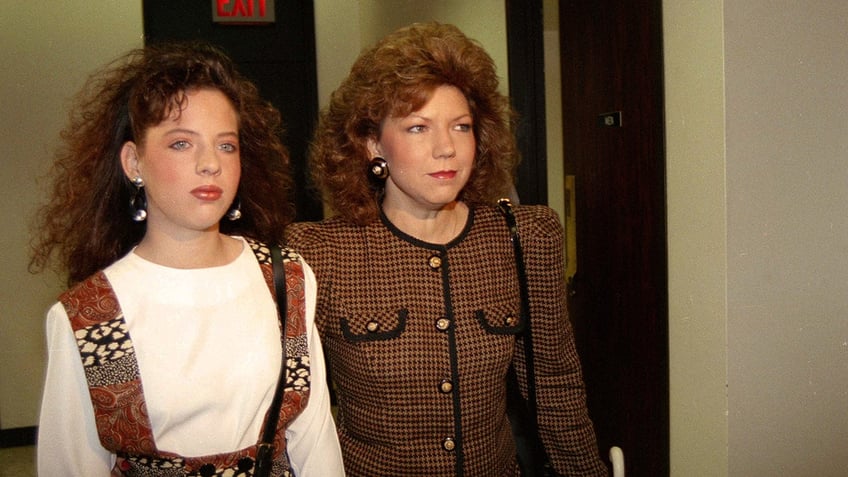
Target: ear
129,160
374,149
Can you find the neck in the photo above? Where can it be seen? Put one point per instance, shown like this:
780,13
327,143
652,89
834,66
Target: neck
203,250
433,226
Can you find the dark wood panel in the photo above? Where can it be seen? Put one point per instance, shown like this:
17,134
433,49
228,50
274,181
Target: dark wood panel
612,61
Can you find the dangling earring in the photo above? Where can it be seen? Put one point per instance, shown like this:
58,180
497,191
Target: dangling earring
378,168
235,210
138,201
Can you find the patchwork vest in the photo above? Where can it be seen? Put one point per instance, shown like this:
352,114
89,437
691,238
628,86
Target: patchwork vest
115,387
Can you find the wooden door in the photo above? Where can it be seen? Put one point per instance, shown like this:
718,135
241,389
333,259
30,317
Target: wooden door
279,57
612,90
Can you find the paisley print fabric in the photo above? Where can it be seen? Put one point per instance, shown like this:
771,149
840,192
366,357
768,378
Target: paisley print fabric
117,395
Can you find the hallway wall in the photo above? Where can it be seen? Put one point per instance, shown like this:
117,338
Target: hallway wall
787,267
757,133
48,51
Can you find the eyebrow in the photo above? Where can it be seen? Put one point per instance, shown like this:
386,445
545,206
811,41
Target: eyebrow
192,132
427,118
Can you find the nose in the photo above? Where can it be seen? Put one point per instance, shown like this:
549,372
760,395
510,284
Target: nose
444,146
208,163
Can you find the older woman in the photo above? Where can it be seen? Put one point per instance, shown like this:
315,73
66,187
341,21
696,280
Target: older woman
418,300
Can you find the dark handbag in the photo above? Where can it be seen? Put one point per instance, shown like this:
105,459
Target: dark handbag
532,457
265,448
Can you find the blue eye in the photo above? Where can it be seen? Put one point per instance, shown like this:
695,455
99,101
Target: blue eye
228,147
180,145
463,127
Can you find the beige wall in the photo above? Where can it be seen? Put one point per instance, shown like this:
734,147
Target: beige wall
553,123
697,256
786,64
48,50
483,20
757,175
757,135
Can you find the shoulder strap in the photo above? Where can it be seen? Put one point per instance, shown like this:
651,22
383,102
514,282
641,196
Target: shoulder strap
506,208
532,456
110,365
265,451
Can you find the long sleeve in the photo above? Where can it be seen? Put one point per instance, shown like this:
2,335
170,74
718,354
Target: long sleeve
421,337
313,444
207,345
67,437
564,423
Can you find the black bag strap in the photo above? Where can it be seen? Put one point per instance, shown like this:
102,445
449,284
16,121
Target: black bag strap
533,458
506,207
265,450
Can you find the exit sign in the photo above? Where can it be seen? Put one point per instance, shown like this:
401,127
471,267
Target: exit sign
243,11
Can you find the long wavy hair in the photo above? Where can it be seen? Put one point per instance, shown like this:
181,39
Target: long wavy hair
85,225
394,78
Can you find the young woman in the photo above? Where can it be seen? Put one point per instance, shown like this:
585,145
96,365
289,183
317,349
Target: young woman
165,353
418,300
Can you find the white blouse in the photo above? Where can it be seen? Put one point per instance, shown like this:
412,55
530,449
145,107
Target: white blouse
207,343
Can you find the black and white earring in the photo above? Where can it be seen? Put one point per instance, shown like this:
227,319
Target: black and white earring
138,201
235,210
378,168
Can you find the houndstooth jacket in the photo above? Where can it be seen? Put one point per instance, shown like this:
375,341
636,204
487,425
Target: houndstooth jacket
420,337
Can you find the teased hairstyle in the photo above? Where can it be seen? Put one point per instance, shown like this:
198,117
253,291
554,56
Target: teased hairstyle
86,221
394,78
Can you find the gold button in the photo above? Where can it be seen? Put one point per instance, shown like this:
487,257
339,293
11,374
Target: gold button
435,262
446,386
448,444
511,320
372,326
442,324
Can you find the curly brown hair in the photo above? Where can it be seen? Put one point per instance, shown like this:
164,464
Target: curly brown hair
86,222
394,78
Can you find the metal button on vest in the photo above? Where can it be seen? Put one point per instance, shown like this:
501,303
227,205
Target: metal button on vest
442,324
372,326
511,320
435,262
448,444
446,386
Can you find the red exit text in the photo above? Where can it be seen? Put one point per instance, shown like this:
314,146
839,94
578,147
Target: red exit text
243,11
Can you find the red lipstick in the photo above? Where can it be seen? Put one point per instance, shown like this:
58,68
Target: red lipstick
207,192
443,174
